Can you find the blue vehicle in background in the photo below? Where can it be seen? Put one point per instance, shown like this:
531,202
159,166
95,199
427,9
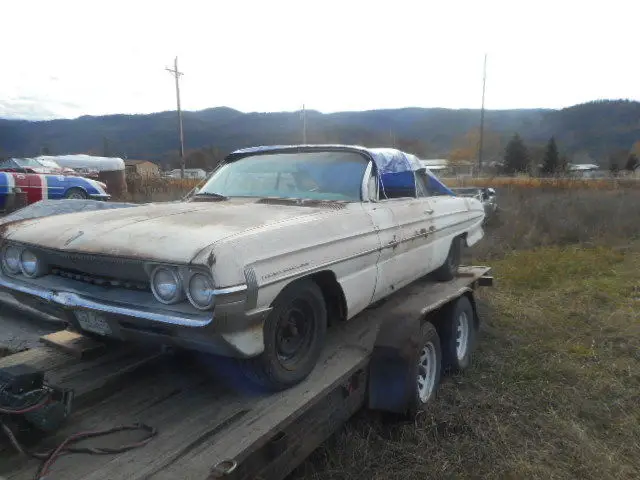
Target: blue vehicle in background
49,187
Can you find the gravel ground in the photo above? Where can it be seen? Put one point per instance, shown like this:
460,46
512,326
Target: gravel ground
21,328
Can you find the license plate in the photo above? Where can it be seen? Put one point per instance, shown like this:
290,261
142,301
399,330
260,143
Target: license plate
93,322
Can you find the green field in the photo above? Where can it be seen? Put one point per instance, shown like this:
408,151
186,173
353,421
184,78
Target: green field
554,391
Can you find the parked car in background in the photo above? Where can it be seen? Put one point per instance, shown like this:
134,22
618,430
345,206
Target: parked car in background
85,172
278,243
34,165
486,195
42,187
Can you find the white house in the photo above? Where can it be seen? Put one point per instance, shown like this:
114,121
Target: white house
188,173
584,170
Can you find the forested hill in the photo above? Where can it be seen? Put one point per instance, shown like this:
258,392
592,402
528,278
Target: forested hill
594,129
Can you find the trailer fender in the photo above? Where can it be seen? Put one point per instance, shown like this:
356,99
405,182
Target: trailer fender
391,381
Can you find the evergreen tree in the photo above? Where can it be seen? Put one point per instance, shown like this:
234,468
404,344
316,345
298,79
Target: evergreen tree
516,158
551,161
632,162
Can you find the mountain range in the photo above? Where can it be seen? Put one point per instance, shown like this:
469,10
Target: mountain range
592,131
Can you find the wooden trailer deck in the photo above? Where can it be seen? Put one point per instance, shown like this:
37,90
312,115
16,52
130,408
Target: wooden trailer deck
207,426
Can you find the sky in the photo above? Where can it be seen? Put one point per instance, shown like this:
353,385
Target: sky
64,59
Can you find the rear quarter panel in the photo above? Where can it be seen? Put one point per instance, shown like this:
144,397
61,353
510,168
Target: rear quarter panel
454,216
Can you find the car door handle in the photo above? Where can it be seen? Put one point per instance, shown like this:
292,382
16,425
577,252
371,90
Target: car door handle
429,211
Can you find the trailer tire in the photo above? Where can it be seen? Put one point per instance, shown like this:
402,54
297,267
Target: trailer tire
300,311
449,269
458,333
427,368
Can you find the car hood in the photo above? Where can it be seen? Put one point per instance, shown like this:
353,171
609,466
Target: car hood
171,232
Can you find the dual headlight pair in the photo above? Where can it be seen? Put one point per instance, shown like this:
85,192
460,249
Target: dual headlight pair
16,261
167,284
168,287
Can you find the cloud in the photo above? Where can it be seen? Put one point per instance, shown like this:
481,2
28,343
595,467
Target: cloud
27,108
277,55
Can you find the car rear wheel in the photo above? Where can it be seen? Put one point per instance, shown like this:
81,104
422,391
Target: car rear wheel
449,269
76,194
294,334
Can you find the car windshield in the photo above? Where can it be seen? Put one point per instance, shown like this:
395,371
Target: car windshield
328,175
27,162
49,164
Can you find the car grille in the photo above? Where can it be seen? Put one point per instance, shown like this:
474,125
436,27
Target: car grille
100,280
95,269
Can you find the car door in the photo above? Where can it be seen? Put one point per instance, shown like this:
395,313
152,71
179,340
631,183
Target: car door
23,182
403,223
415,218
38,189
55,186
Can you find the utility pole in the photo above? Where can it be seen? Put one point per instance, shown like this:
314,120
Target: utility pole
304,125
176,73
484,81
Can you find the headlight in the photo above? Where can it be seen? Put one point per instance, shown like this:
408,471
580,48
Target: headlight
30,265
166,286
200,291
11,259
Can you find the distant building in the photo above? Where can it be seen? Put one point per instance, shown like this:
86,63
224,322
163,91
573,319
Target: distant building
436,165
144,168
584,170
443,167
188,173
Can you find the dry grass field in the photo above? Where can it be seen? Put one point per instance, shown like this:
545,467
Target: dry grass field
554,392
150,189
547,183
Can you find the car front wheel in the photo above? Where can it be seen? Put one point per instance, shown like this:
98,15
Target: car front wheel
76,194
294,334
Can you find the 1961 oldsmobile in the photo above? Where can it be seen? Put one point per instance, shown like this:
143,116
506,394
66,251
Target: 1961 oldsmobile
279,242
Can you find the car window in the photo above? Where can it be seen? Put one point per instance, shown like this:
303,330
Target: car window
422,185
48,163
317,175
26,162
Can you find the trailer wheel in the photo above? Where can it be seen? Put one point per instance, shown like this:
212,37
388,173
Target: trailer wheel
294,334
448,270
458,333
428,368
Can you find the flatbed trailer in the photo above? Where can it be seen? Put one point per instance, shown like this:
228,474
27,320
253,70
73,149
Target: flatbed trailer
208,426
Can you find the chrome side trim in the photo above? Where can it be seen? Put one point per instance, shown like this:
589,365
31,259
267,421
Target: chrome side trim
73,300
321,266
314,268
229,290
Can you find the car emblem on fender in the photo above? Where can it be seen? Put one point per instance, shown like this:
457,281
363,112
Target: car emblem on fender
76,236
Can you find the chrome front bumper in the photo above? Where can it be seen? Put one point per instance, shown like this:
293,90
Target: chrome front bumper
229,330
74,300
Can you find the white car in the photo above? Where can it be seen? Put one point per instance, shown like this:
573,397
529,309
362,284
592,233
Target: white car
278,243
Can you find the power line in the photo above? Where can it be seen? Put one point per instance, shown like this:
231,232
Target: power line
176,73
